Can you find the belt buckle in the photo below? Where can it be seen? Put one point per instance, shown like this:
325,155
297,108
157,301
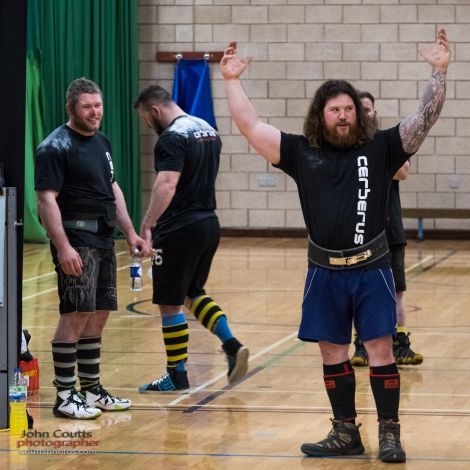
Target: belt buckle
358,258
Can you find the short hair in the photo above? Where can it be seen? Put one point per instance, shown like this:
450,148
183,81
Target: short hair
314,125
153,94
78,87
366,94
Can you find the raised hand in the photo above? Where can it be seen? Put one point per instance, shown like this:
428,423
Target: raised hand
415,128
231,65
437,54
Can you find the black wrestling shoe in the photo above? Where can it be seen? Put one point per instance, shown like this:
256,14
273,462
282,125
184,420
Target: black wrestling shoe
237,358
343,439
404,355
390,449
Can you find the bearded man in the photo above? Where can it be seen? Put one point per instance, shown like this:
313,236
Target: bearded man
182,226
343,167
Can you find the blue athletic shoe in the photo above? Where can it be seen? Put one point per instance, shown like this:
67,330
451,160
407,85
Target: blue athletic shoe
175,381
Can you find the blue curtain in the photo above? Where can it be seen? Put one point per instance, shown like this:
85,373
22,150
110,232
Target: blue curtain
192,89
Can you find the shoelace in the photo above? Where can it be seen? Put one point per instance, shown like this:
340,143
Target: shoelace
161,380
335,432
164,380
78,400
103,393
390,439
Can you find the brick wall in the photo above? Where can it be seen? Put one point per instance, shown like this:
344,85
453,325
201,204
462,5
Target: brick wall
296,44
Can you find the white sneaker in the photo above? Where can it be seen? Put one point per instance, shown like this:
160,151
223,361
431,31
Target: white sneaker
98,397
71,404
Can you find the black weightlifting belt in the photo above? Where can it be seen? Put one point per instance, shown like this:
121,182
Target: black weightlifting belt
86,214
89,225
352,257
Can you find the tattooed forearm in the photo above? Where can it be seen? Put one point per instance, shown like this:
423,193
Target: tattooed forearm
414,129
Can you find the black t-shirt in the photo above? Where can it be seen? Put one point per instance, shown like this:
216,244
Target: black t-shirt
343,192
192,147
395,230
79,168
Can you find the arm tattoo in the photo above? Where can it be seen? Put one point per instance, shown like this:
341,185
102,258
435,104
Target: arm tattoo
414,129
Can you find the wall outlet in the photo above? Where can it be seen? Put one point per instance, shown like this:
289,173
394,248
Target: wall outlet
454,182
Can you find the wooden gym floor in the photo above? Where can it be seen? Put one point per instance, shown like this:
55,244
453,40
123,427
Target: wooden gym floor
260,422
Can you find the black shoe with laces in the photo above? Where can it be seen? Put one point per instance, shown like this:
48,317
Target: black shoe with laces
404,355
175,381
390,449
343,439
237,358
98,397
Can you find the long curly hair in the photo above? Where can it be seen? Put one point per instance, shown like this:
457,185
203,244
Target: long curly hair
314,124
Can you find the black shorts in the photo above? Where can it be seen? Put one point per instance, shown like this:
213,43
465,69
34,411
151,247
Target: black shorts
183,261
398,267
95,289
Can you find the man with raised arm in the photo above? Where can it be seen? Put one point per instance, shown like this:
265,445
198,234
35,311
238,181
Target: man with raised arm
343,167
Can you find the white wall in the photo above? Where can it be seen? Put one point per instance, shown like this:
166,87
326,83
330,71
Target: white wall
296,45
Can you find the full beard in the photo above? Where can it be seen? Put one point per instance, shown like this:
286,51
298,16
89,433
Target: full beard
348,140
82,125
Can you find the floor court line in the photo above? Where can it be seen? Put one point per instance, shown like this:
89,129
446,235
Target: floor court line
253,372
51,273
38,294
418,331
223,374
231,388
158,329
370,457
212,396
431,412
218,291
419,263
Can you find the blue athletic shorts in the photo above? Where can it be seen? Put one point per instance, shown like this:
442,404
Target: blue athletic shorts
334,299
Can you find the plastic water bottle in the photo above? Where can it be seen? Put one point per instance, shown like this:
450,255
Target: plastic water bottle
18,395
136,274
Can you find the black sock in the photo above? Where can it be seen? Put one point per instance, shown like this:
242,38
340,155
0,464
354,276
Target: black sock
176,336
88,361
207,312
340,384
385,383
64,356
